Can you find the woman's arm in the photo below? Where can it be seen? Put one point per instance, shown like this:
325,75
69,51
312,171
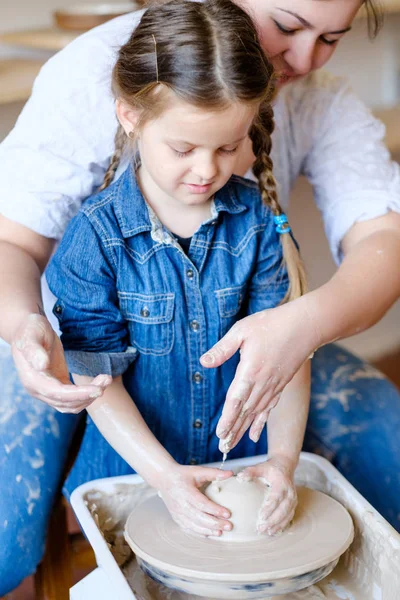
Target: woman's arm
357,189
274,343
23,257
366,284
120,422
37,352
286,428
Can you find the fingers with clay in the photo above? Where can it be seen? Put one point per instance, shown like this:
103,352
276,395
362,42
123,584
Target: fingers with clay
224,349
189,507
273,345
280,503
41,365
253,418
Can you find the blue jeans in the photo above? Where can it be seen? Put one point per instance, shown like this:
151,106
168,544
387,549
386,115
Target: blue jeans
354,422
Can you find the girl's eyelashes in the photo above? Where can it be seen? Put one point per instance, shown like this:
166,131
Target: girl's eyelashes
181,154
231,151
287,31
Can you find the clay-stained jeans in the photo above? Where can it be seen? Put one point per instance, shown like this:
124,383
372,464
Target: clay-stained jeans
354,422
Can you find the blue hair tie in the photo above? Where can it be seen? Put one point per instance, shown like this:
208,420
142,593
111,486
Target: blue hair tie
280,222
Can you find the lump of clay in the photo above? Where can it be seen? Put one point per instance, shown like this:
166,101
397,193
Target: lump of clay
244,499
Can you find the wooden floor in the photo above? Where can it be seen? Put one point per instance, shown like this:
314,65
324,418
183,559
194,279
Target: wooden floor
390,365
26,590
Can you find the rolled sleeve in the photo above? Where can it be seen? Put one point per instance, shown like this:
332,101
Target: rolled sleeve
94,363
353,176
81,276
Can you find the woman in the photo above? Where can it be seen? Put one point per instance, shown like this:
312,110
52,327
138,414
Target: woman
57,155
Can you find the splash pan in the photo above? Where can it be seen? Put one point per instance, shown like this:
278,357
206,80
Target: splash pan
369,570
305,553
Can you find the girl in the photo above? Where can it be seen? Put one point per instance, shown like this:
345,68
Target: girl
174,253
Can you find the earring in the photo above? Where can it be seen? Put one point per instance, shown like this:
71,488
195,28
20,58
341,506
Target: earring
131,134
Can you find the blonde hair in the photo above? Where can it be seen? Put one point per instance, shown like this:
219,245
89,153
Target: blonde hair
209,55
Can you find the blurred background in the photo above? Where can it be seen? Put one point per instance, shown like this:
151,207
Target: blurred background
28,37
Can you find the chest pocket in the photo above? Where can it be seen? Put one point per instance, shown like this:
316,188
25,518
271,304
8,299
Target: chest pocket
150,321
231,306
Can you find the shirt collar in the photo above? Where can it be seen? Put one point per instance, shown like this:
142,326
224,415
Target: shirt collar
135,216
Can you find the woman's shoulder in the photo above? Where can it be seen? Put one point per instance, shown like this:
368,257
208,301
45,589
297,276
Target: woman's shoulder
92,55
308,110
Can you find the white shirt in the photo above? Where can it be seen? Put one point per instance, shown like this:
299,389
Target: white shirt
57,153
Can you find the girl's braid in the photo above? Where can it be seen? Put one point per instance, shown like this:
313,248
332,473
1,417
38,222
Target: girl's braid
120,140
260,135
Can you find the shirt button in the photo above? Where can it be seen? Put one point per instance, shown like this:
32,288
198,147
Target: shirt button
197,377
190,273
58,310
198,424
194,325
145,312
193,461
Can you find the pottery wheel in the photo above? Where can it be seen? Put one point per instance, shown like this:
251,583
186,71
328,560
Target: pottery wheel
321,531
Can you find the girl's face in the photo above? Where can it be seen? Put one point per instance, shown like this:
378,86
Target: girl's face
299,36
188,154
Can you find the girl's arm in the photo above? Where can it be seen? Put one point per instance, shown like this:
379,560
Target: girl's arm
120,422
36,349
286,428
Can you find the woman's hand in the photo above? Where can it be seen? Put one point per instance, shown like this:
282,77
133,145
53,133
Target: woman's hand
40,361
189,507
273,345
280,504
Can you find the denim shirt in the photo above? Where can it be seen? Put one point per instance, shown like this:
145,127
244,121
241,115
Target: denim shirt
130,302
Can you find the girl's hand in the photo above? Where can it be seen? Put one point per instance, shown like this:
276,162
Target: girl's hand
189,507
40,361
280,505
273,345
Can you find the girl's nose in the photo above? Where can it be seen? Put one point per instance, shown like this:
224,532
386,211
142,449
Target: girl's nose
206,170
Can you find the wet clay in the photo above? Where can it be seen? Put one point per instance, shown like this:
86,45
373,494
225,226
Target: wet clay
321,531
243,498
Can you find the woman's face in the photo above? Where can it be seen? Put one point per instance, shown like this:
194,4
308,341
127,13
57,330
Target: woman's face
299,36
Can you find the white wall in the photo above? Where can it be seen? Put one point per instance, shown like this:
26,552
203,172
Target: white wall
27,13
22,14
372,66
